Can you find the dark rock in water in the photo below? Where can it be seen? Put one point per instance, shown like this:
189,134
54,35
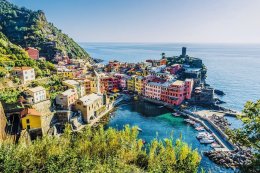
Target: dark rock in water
98,60
219,92
218,101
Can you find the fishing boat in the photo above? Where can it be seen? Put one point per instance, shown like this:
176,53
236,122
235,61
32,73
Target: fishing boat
160,106
206,141
215,145
197,125
139,129
176,114
200,128
187,120
203,135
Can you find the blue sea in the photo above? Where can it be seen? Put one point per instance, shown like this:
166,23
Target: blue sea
233,68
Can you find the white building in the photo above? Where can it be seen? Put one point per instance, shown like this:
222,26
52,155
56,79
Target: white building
78,85
25,74
35,95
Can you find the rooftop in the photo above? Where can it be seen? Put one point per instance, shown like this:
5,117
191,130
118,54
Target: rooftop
70,82
68,92
22,68
29,111
178,82
36,89
88,99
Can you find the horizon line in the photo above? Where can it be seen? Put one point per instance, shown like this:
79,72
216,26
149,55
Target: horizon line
137,42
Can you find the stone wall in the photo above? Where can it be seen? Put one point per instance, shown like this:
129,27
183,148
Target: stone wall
44,108
2,123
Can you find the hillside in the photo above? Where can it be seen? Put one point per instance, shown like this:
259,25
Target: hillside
28,28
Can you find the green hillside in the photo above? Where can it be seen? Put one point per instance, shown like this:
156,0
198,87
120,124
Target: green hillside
28,28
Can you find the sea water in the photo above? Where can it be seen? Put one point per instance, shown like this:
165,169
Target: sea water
232,68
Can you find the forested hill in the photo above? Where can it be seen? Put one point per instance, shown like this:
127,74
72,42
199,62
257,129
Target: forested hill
29,28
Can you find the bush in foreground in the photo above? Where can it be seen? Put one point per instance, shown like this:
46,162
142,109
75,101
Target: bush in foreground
98,151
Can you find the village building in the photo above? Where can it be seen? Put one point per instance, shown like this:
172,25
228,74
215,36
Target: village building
77,85
25,74
30,119
90,106
66,99
35,95
153,90
65,72
131,83
33,53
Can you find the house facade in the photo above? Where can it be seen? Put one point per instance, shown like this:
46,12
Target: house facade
25,74
89,106
36,94
66,99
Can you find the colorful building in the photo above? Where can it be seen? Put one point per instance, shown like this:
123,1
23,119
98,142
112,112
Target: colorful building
188,88
153,90
25,74
67,99
66,73
139,85
78,85
131,83
89,106
33,53
31,119
35,95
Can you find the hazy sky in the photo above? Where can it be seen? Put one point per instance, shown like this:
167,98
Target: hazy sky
236,21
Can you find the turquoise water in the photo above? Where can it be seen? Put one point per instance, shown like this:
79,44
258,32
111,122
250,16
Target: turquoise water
158,123
233,68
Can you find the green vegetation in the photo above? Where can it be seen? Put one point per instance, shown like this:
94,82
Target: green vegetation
28,28
249,134
98,151
14,56
9,95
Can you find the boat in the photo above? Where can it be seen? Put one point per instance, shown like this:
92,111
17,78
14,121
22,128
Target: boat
197,125
215,145
187,120
139,129
200,128
160,106
206,141
204,135
176,114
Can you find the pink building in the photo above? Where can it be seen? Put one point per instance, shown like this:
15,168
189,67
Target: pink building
153,90
188,88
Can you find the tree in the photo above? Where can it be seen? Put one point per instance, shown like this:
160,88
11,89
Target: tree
249,134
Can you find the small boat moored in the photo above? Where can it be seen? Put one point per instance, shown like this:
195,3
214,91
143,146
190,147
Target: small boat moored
215,145
206,141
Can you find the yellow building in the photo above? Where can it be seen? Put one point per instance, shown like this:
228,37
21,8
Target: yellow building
142,73
93,84
31,119
131,83
66,73
139,85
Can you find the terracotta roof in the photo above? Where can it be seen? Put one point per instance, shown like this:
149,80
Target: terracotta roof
29,111
22,68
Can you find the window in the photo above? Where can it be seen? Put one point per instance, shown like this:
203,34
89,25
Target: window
28,127
27,121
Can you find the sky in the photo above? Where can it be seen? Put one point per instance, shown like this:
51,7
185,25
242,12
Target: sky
168,21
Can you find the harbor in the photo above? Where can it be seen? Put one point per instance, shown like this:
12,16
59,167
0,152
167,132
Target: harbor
159,122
